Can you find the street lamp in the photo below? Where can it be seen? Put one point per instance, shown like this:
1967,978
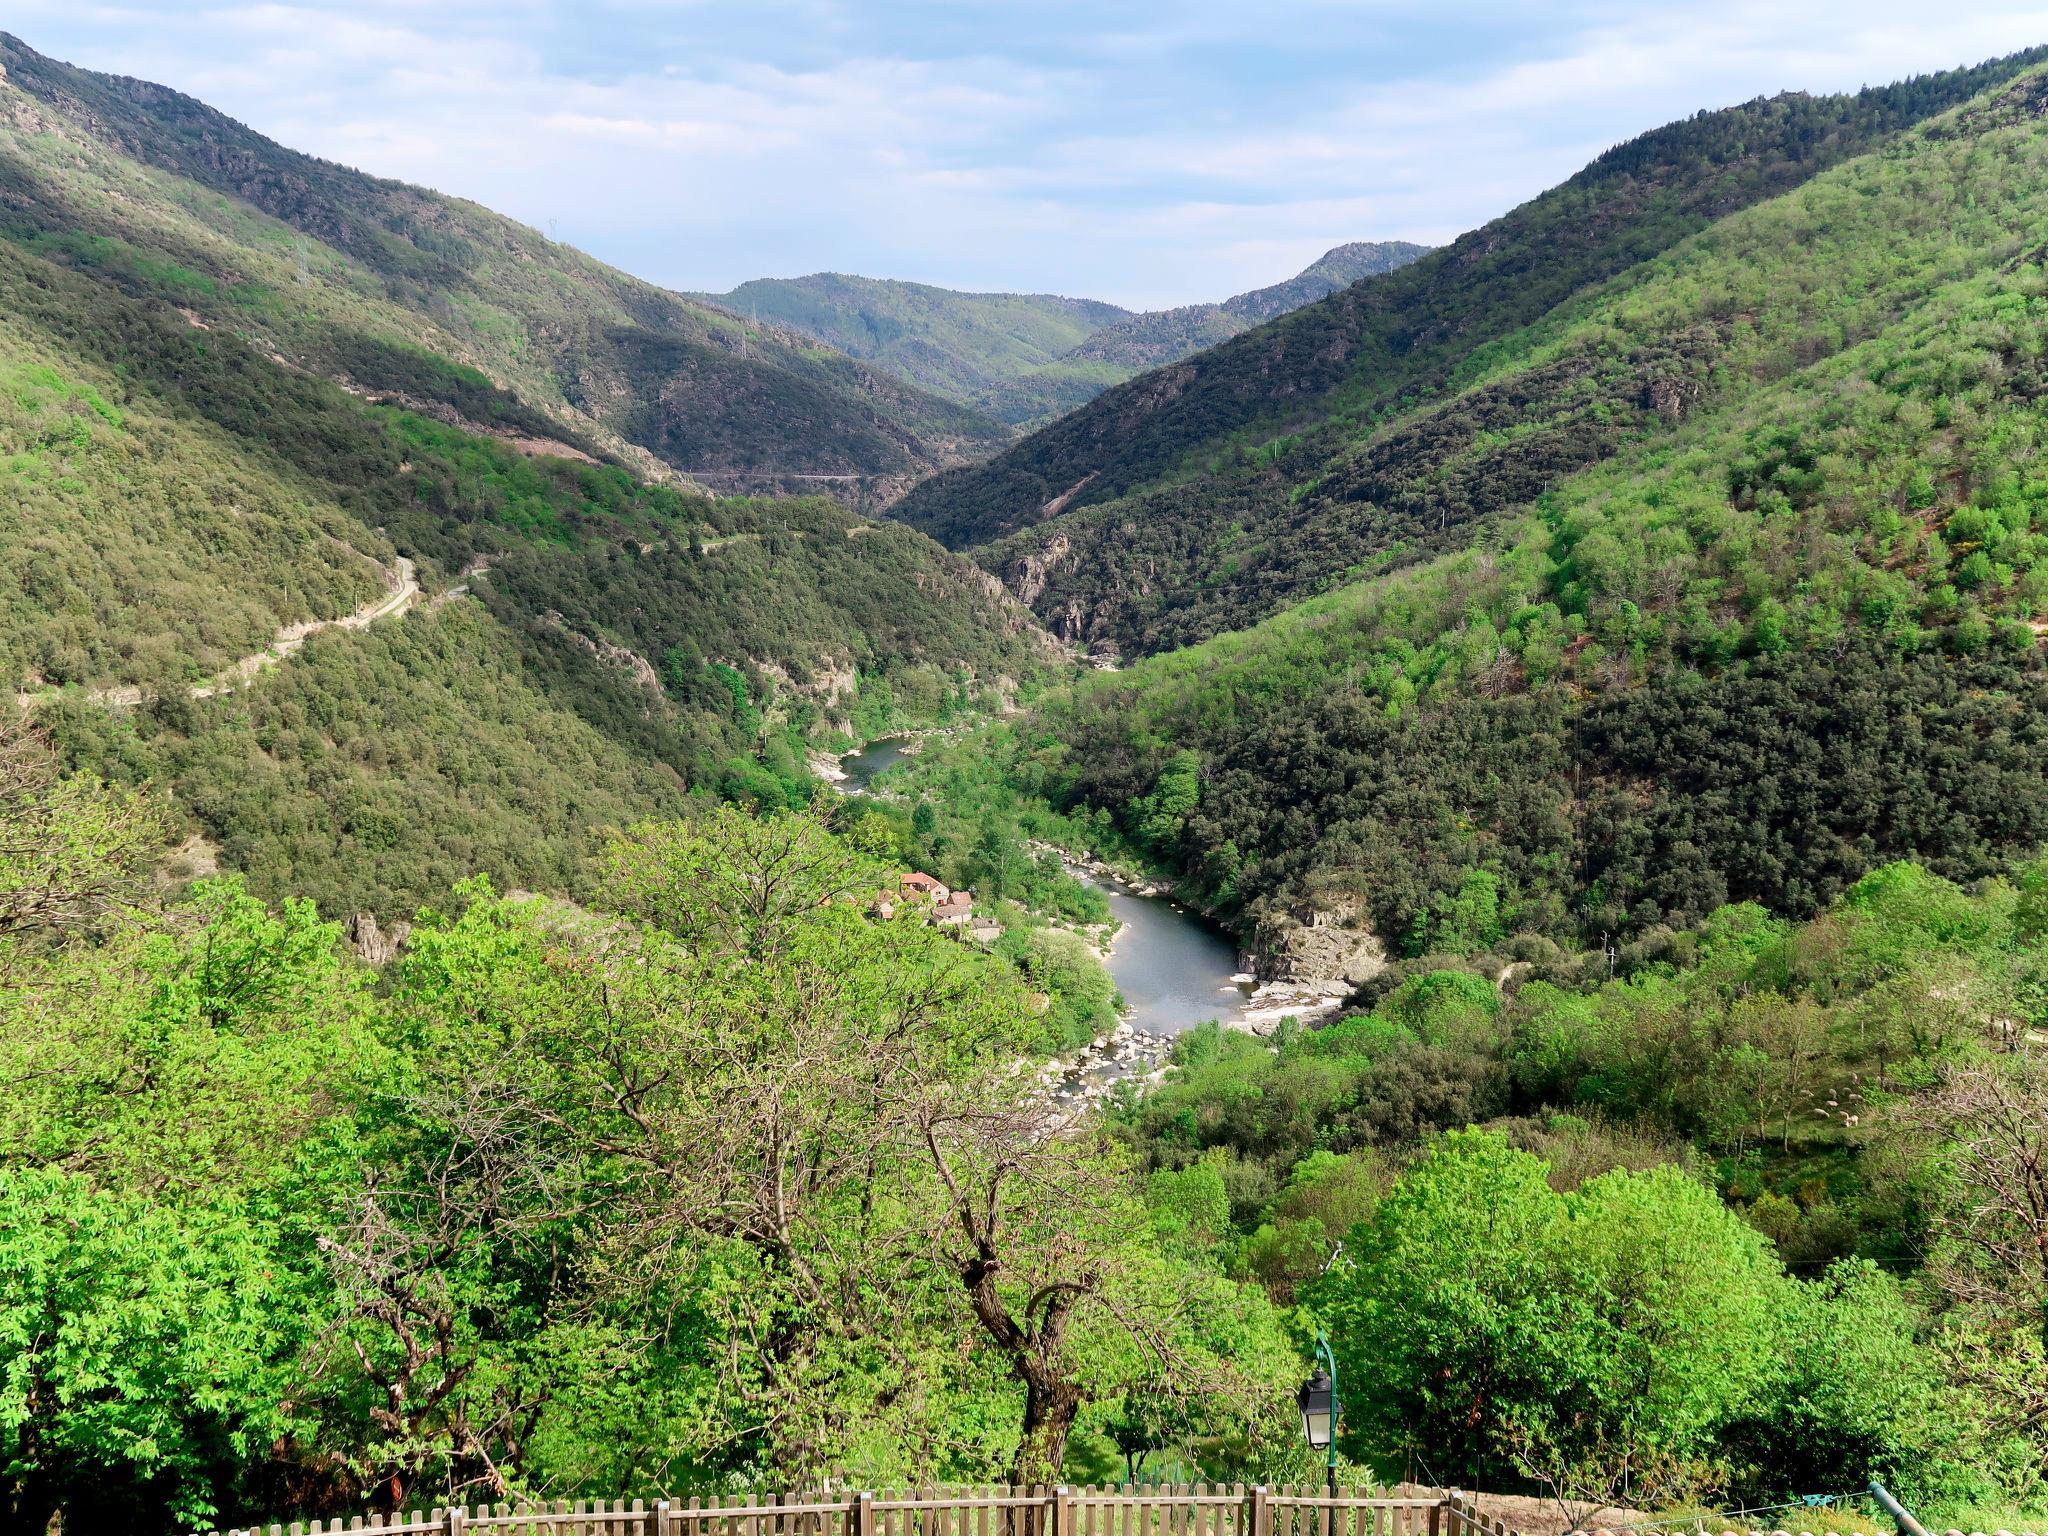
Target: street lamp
1318,1399
1320,1408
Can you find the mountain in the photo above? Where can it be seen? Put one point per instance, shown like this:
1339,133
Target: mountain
1206,494
1722,579
1161,336
1605,671
958,345
379,273
1027,358
1338,267
274,539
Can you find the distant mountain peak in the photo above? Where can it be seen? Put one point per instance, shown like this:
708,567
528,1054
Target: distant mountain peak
1028,357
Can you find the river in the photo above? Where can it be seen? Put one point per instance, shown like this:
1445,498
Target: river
1173,968
876,757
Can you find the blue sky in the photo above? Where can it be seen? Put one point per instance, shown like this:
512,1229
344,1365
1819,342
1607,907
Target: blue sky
1149,154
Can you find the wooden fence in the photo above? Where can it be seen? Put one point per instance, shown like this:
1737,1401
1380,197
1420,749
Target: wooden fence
1188,1509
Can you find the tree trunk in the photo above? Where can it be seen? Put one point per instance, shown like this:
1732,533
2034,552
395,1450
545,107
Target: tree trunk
31,1509
1050,1407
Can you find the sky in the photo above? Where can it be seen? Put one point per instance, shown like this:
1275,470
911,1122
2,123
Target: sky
1148,154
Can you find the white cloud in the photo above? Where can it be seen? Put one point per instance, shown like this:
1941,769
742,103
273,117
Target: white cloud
1116,148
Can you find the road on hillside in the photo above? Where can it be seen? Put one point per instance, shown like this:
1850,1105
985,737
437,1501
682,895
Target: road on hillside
403,590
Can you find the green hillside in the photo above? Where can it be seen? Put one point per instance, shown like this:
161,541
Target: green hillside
1605,663
185,484
355,278
1205,458
1749,596
1027,358
959,345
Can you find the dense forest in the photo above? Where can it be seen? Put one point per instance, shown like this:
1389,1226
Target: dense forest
1183,488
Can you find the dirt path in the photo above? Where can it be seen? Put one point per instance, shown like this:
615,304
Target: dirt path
403,592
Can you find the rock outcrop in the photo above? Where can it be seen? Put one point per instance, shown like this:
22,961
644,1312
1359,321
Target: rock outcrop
1321,945
378,946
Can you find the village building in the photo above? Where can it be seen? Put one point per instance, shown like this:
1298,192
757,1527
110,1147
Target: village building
916,883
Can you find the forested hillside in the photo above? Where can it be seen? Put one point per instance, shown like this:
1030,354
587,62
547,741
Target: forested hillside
1180,479
186,483
1748,600
395,290
1618,639
1026,358
964,346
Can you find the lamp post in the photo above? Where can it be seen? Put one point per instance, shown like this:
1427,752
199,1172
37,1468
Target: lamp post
1320,1408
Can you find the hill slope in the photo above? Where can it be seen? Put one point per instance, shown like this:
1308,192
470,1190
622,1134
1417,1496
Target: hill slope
181,479
1027,358
1749,595
1161,336
959,345
1206,461
227,222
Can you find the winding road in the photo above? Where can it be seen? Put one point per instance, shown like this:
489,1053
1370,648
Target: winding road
403,591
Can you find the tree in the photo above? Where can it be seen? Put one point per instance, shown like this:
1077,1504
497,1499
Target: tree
761,1078
1176,793
72,851
1676,1310
1984,1169
1443,1314
1597,1342
145,1353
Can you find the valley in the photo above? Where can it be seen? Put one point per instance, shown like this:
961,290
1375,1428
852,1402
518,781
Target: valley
617,893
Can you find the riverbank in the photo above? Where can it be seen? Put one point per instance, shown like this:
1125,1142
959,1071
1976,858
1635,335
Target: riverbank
1266,1003
881,754
1173,967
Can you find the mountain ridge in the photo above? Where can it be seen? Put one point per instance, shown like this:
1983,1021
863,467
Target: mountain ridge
1337,366
1026,357
654,377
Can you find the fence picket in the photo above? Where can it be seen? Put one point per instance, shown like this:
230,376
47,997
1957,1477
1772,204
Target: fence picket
1115,1509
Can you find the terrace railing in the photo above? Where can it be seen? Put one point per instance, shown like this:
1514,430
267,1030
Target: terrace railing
1185,1509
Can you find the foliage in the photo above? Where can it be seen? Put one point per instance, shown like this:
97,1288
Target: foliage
719,1182
1755,1119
